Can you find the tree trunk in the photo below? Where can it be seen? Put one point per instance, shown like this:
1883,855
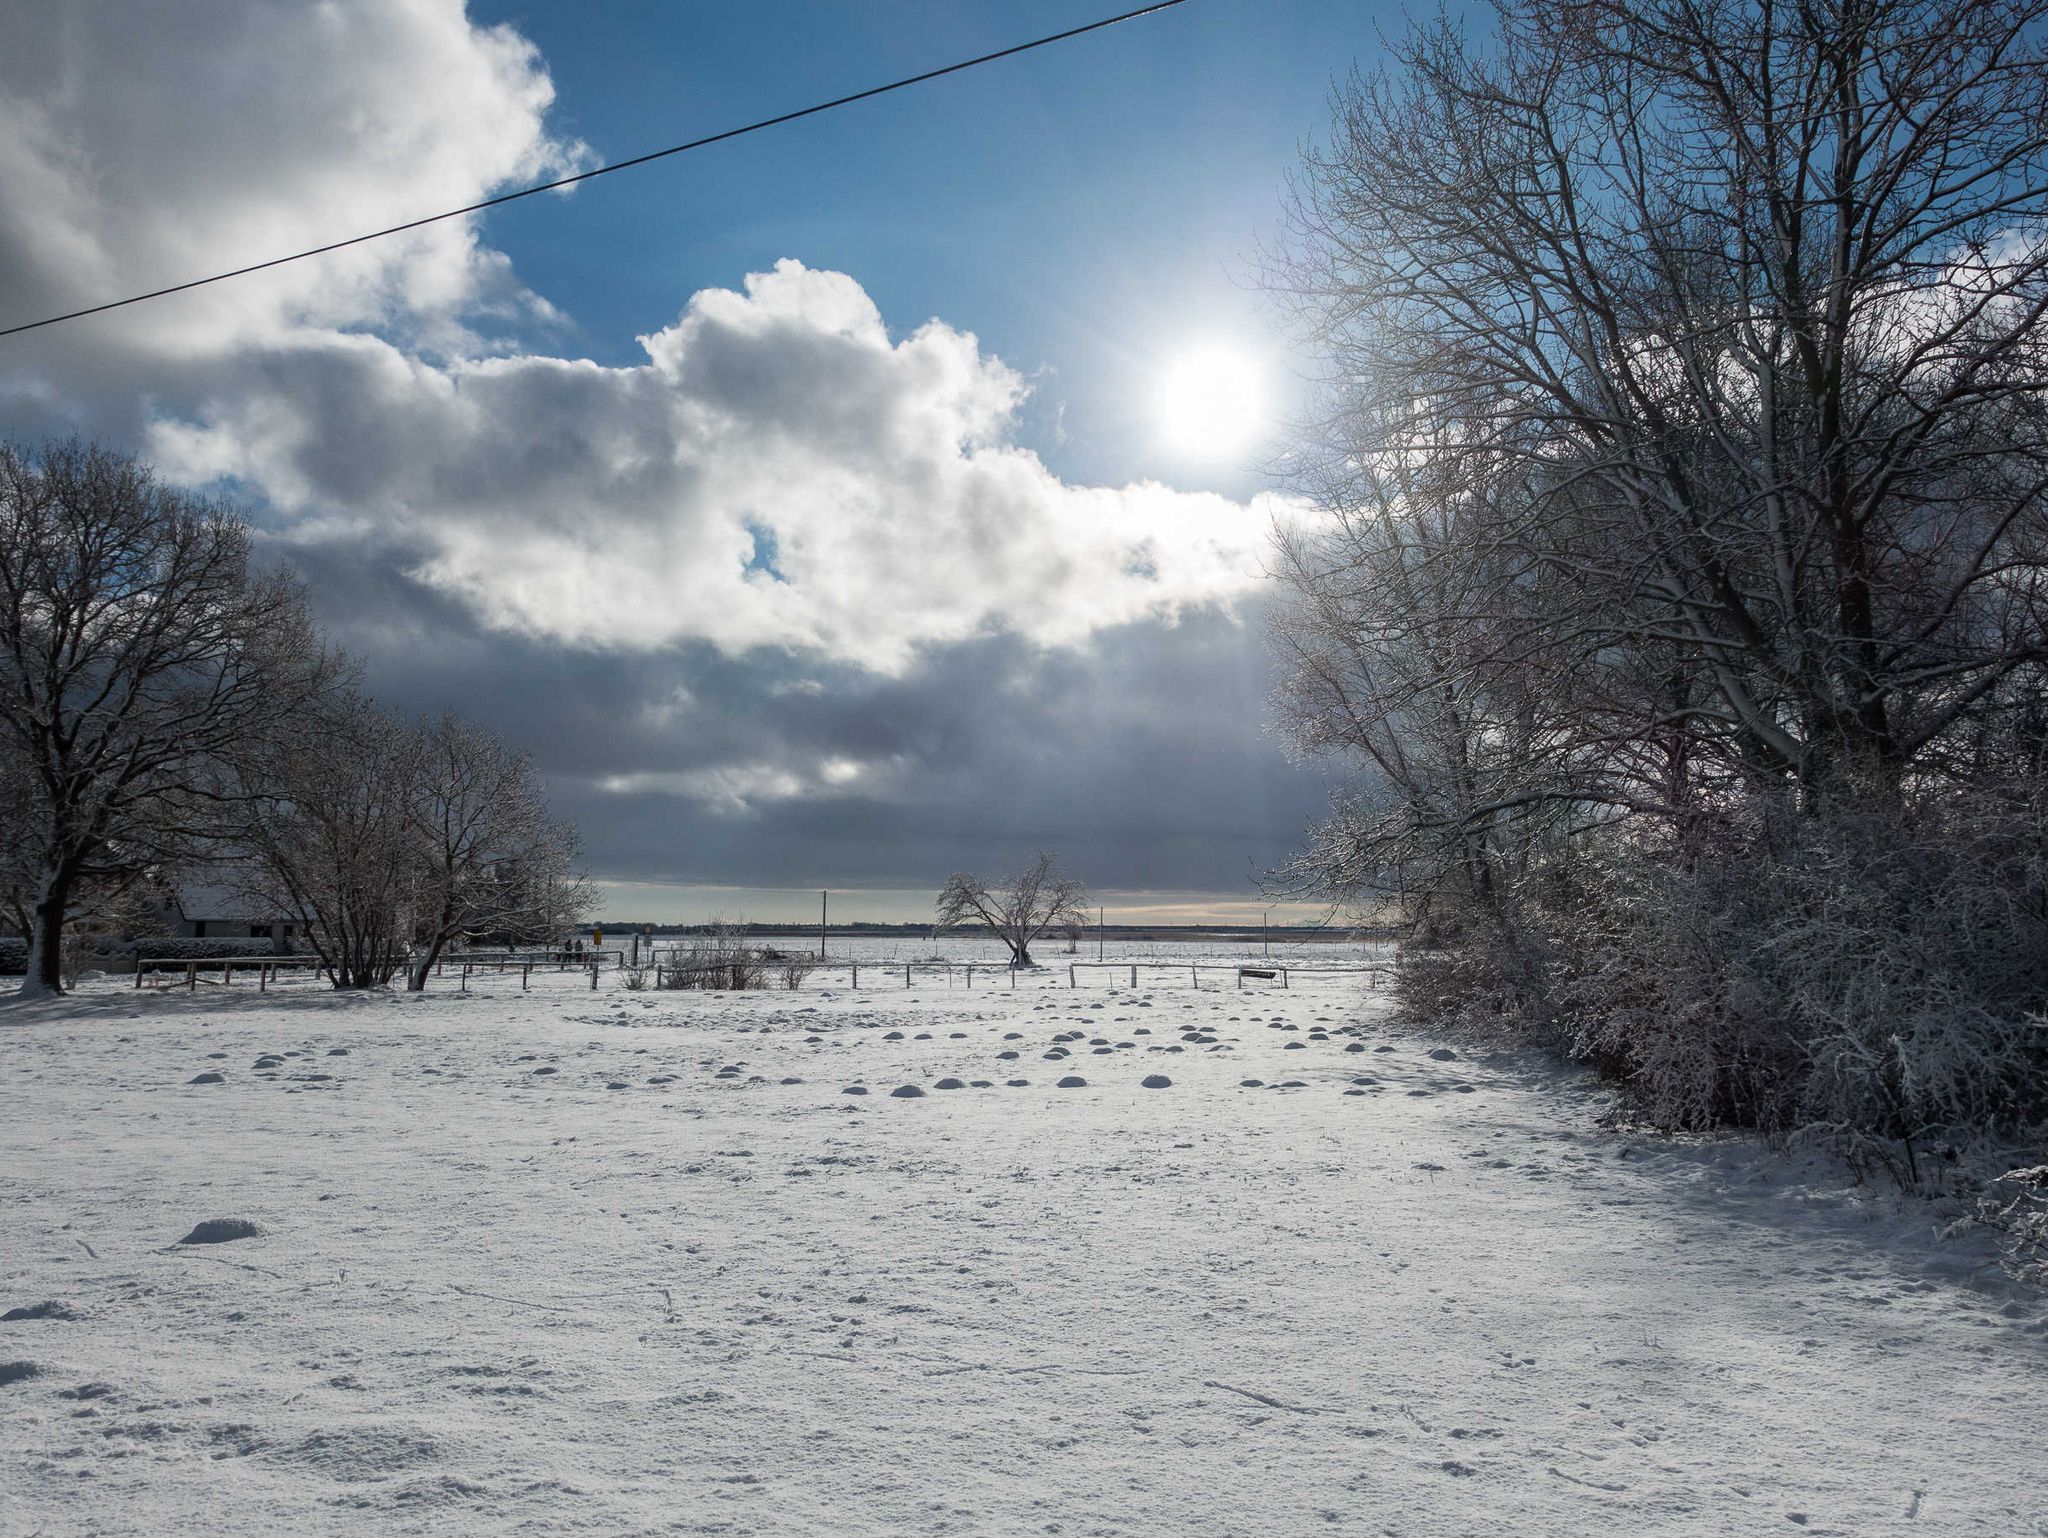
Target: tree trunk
45,972
416,977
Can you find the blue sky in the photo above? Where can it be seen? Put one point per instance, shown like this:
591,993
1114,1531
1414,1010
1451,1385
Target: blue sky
1087,210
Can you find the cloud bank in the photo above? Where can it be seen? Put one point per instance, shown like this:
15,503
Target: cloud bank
779,473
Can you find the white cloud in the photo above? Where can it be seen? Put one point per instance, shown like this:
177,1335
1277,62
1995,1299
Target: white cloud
148,144
780,472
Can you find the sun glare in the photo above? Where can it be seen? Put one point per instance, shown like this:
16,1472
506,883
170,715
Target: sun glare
1211,403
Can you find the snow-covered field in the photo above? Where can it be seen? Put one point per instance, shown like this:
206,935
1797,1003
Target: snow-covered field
575,1262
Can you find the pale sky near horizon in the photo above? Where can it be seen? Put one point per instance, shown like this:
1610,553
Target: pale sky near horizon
821,509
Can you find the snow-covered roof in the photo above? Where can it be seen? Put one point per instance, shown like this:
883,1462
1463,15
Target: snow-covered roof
225,899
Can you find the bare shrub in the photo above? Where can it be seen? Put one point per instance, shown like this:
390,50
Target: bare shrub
721,962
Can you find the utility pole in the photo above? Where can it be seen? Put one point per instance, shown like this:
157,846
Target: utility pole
824,898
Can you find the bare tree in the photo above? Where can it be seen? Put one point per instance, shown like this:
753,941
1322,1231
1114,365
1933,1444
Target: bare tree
332,838
387,840
1730,322
142,650
1678,576
1019,911
491,857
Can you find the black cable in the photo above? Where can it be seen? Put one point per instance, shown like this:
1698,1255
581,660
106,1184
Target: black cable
622,165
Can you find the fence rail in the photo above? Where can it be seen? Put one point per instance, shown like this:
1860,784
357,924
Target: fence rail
592,962
265,965
1263,972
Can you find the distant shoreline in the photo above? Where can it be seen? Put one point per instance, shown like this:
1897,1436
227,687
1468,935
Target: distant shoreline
1296,934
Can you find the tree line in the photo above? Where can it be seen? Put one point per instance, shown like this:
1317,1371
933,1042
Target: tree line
1677,580
169,706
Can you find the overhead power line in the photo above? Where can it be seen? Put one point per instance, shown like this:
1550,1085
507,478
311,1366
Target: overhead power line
621,165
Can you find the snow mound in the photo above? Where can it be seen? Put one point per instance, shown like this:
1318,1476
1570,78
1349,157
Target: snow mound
48,1310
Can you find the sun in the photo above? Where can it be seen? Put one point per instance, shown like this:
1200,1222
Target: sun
1211,403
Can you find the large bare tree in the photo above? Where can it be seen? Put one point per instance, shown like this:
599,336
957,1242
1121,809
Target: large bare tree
143,650
1678,571
1727,323
1018,911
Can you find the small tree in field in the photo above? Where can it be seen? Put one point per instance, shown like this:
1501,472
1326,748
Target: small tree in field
492,858
1019,911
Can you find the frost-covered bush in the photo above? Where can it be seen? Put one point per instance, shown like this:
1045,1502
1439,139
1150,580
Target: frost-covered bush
2015,1207
1861,977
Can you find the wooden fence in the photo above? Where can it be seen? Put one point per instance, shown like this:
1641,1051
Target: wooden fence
592,962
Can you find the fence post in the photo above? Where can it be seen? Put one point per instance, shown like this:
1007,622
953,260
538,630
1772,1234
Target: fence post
1194,979
1134,977
906,974
191,977
138,971
1013,977
465,974
593,974
525,976
970,974
1283,977
856,974
1070,976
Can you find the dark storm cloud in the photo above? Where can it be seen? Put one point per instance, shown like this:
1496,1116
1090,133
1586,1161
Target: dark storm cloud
1142,757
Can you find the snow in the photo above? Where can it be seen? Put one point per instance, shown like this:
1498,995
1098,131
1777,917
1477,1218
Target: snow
683,1283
